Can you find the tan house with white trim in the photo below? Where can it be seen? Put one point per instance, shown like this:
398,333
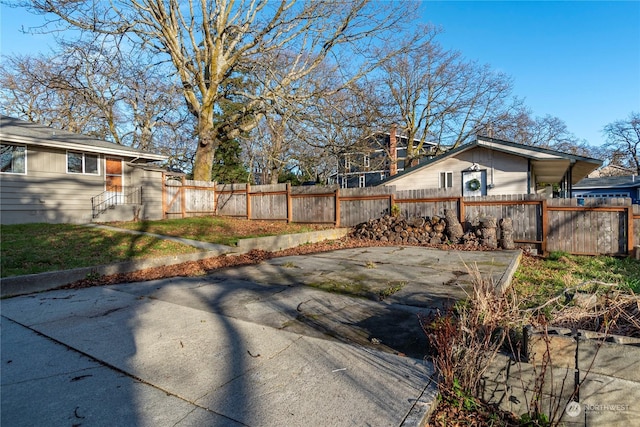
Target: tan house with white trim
55,176
490,166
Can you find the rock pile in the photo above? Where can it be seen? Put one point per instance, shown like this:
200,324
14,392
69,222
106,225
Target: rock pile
397,229
435,231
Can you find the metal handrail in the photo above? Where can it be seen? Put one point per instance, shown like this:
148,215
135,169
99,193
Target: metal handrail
117,195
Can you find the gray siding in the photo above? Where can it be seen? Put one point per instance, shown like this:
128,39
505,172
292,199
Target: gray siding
47,193
151,183
507,172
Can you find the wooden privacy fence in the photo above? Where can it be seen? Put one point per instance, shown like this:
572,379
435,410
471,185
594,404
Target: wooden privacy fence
182,198
596,226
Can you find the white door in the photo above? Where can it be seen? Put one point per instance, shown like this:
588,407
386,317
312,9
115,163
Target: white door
474,183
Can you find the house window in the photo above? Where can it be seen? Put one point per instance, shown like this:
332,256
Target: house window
82,163
361,181
343,184
366,161
446,179
13,158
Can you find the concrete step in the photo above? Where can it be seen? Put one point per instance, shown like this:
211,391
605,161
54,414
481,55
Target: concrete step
129,212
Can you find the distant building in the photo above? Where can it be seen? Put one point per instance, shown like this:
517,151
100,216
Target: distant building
609,187
385,156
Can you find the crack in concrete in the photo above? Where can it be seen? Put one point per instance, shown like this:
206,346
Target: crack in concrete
106,313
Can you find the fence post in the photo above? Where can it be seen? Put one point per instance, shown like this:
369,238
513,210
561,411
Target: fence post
392,201
215,198
545,225
183,199
461,212
164,196
337,209
248,190
289,204
630,242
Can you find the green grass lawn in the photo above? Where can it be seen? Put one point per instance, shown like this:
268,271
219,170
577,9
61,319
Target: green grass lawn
36,248
537,280
221,230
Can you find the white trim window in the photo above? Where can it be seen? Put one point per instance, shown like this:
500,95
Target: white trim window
347,162
343,182
83,163
446,179
366,161
13,159
361,181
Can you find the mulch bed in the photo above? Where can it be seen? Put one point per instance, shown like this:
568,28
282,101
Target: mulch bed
209,265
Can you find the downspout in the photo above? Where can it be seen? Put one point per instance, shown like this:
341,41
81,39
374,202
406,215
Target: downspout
528,176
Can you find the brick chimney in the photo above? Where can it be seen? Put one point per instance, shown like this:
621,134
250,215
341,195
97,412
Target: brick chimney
393,153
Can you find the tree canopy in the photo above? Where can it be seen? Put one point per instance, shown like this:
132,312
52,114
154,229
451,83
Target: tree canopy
265,90
623,137
203,43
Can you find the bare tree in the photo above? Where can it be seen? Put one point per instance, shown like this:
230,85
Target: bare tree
439,97
317,120
519,125
207,42
270,148
623,137
94,89
345,122
26,92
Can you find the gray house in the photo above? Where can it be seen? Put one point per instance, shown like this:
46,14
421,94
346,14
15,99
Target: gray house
55,176
490,166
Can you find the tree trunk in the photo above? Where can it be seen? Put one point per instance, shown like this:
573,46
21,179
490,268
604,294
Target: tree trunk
203,162
207,143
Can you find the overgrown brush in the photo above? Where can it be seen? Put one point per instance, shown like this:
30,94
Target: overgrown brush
466,338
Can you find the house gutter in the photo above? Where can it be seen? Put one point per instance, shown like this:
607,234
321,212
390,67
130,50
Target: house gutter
529,176
82,147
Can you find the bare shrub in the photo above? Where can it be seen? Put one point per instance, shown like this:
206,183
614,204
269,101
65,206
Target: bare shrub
466,337
465,341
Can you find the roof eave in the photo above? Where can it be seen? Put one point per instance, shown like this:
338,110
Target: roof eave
436,159
86,148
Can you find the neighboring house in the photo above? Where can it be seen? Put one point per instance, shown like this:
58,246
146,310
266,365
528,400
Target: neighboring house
609,186
489,166
384,157
55,176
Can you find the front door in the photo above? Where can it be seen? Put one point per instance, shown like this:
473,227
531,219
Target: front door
113,180
474,183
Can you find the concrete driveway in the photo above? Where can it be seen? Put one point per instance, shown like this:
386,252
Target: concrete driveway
245,346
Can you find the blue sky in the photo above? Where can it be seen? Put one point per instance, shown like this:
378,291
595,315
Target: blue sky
577,60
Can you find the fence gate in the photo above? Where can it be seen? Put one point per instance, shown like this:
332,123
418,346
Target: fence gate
173,197
182,198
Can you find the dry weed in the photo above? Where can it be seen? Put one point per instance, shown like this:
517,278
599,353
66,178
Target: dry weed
467,337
